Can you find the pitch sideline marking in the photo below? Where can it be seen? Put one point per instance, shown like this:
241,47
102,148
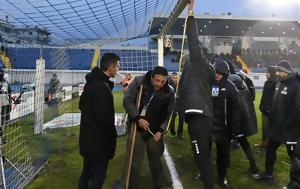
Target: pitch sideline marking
174,175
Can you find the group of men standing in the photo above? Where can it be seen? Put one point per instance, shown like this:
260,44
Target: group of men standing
217,106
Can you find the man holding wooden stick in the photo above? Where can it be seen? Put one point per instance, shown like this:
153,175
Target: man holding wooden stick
151,118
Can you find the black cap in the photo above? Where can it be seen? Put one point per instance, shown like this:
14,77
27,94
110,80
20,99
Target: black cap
221,67
284,66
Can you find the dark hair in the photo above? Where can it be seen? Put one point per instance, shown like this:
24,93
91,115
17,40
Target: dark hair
158,70
107,60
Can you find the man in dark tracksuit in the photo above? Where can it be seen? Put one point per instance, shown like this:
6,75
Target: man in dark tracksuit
173,82
152,120
226,109
284,119
266,104
97,139
195,101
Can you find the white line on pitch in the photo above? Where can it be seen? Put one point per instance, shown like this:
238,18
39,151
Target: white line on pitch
174,175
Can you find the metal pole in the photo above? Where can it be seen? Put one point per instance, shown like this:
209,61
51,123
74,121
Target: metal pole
160,51
2,169
2,140
181,4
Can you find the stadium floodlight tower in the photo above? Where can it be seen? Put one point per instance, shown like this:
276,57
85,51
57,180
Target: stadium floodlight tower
181,4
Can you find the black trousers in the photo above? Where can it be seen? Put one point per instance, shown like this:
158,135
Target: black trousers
271,154
247,149
223,157
180,123
200,130
265,130
93,174
154,152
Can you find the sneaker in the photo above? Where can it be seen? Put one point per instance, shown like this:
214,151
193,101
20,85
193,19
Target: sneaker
263,144
263,177
173,136
223,183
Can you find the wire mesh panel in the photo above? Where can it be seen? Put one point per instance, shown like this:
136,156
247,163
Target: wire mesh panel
32,96
134,59
83,21
16,161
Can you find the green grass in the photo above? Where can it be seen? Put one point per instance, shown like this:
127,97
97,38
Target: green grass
64,166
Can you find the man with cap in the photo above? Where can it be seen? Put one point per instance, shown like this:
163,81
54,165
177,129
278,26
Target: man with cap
266,103
173,82
225,114
284,119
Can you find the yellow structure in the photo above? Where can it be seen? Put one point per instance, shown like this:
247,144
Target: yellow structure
243,63
95,58
5,59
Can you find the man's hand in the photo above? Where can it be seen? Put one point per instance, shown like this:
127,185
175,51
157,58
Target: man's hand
191,7
157,136
143,124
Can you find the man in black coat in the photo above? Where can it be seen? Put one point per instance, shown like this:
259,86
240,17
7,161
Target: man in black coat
247,122
244,75
97,139
152,119
195,100
266,104
284,119
225,114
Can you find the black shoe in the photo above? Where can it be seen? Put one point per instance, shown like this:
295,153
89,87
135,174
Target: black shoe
263,177
223,183
198,177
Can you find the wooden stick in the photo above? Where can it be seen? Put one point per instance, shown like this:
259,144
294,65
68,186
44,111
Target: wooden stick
131,142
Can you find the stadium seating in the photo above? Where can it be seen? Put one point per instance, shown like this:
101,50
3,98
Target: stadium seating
141,60
75,59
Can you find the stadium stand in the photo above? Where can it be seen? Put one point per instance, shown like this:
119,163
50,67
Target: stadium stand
24,58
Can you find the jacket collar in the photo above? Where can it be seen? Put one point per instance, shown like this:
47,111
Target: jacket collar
290,78
97,75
